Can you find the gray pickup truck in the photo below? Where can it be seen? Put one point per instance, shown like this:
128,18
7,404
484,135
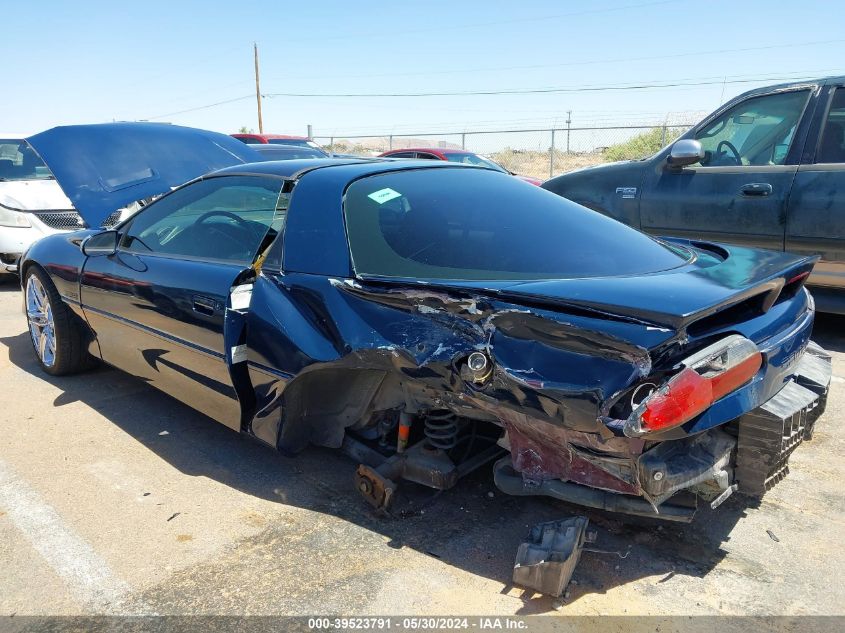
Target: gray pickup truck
767,169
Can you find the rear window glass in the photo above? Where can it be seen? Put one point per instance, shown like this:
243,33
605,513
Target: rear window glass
473,224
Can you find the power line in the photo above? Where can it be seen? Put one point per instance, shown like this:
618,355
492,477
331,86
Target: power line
477,25
202,107
707,81
520,91
438,29
578,63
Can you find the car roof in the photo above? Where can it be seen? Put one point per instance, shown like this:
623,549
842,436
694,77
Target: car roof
364,167
790,84
436,150
277,147
284,136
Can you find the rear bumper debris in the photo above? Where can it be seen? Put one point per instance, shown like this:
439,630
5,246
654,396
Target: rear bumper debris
749,455
547,560
511,482
771,433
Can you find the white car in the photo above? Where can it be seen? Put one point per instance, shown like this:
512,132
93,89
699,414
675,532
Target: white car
32,204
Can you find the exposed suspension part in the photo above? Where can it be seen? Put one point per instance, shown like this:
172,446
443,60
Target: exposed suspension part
441,429
423,458
404,432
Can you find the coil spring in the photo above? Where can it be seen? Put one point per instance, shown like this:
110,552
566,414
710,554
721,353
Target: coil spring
441,429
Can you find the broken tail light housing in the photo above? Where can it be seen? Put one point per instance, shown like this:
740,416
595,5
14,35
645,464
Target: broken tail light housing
705,377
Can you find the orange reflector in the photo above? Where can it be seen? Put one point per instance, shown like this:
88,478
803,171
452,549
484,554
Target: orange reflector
733,378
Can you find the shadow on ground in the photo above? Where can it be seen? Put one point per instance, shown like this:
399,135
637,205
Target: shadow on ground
465,527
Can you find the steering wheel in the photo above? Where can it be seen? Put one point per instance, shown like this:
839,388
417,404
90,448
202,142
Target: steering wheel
246,231
226,214
733,149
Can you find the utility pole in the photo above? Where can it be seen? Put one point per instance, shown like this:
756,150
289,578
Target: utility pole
568,126
258,89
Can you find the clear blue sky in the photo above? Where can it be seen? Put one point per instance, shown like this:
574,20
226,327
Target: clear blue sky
84,62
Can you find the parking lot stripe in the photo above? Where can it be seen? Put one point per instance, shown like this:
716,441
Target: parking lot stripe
70,556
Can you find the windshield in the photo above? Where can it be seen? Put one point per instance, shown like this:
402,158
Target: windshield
474,159
18,161
468,224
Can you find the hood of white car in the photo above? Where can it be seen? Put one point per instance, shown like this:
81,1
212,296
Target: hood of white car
33,195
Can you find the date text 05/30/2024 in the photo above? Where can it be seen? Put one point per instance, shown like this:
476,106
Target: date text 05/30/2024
417,623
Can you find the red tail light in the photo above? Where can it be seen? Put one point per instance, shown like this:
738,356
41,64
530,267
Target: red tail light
709,375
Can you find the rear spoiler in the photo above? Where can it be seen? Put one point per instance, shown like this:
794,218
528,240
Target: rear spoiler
746,284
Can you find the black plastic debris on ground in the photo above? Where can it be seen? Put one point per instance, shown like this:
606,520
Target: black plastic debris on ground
547,560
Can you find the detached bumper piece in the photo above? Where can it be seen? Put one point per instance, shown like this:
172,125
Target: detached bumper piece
511,482
769,434
547,560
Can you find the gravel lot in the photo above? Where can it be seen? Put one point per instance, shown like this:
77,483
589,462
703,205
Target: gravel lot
117,499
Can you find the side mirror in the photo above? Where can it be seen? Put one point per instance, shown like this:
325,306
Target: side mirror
685,152
102,243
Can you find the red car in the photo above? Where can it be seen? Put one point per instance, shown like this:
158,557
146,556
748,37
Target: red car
276,139
454,156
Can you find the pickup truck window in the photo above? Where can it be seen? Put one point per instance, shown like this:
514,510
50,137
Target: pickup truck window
757,131
832,146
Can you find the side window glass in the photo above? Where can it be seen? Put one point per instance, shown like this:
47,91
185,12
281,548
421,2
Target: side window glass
756,132
832,146
427,156
402,155
226,218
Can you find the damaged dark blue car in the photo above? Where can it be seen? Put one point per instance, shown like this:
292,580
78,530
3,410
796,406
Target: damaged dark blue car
428,319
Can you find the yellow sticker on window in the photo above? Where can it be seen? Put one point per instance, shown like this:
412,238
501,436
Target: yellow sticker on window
383,195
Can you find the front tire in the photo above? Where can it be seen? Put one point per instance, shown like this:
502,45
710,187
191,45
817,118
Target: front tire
55,331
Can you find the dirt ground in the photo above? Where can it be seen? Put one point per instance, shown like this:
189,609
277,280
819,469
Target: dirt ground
116,499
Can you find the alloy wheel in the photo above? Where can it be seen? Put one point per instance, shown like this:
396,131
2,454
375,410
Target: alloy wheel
39,313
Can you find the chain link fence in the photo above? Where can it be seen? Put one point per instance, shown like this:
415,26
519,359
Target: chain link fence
540,153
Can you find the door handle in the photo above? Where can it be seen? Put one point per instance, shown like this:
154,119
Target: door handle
203,305
756,189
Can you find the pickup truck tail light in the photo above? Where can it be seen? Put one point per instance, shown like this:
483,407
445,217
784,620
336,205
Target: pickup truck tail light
705,377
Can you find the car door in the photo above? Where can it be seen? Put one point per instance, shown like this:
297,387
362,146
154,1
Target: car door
816,215
158,304
738,192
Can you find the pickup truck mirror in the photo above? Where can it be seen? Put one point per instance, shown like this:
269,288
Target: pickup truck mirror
685,152
102,243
